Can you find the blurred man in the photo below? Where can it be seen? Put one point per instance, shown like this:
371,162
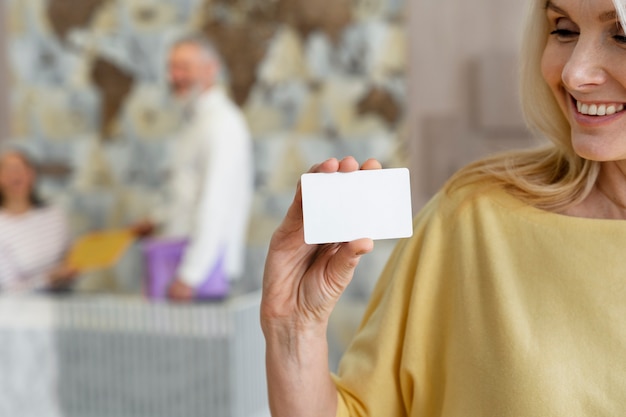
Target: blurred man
211,183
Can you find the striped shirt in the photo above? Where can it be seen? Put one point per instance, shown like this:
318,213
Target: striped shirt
31,246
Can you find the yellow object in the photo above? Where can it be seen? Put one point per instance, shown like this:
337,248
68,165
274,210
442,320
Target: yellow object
99,250
494,308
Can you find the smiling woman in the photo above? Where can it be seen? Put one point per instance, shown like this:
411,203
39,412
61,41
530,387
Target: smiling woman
573,90
583,63
33,236
509,298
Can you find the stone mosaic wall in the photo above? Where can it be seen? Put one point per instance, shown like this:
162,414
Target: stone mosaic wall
315,78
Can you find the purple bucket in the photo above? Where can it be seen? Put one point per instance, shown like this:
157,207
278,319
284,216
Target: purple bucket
162,257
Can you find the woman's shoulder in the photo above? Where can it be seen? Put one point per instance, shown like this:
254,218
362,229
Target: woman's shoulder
37,219
50,214
484,195
50,209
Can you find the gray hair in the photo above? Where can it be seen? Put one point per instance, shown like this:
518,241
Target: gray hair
208,49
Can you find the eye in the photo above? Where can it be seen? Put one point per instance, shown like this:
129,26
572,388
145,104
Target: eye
565,34
564,29
620,38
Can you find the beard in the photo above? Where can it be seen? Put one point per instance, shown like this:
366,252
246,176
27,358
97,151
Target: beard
184,99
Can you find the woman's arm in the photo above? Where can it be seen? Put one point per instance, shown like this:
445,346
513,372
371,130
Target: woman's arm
301,286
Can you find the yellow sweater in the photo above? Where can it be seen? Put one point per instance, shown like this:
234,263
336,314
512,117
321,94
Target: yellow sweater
494,308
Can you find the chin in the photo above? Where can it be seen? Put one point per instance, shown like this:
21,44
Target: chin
599,154
599,148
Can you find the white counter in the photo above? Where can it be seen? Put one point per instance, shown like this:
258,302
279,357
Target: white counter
112,356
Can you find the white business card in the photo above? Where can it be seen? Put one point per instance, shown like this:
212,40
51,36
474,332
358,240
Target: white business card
341,207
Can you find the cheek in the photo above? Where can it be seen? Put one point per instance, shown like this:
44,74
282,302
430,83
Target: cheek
30,179
551,68
618,71
22,177
198,73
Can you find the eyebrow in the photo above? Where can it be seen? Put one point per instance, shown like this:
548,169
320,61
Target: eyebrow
603,17
554,7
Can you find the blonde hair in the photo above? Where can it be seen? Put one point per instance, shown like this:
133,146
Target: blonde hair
551,177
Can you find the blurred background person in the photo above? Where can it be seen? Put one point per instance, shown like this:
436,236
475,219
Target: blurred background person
33,235
210,189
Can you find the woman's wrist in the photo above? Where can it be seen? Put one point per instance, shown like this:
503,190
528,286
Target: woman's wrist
298,373
290,329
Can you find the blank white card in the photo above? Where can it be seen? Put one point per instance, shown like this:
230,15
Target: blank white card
341,207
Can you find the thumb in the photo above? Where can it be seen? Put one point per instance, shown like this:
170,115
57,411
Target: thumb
347,258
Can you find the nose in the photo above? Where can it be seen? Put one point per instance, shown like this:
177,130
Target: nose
585,69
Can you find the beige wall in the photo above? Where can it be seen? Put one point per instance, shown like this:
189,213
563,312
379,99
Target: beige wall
4,76
463,85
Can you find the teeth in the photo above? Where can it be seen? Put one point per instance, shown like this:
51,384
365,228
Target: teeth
599,109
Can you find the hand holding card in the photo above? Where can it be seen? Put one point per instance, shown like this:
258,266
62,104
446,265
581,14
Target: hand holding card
341,207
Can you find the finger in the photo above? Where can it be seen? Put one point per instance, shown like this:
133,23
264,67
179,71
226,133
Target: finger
371,164
329,165
293,217
348,164
360,246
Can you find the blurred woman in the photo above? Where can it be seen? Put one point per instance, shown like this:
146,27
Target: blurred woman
33,235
